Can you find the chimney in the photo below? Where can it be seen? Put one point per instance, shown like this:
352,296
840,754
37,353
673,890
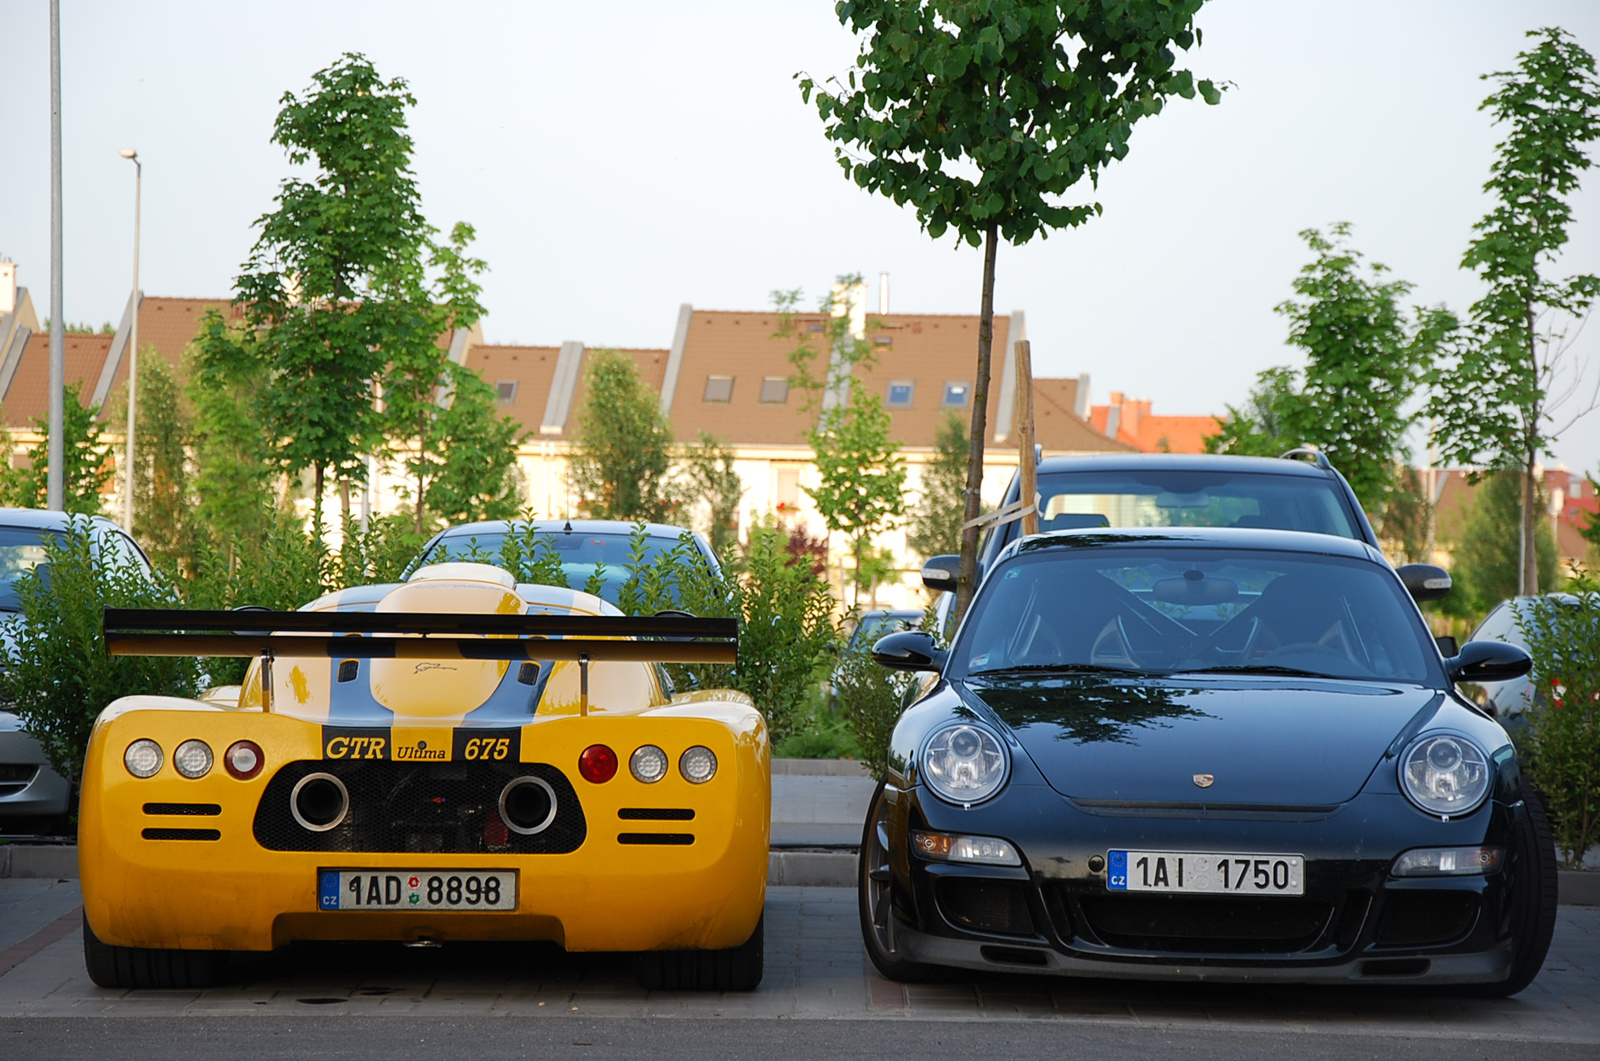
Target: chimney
883,294
1081,406
8,286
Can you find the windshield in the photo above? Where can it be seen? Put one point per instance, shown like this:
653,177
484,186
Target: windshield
21,550
1210,498
580,554
1169,610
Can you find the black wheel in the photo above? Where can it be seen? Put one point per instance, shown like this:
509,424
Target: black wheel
735,969
875,890
1532,863
124,967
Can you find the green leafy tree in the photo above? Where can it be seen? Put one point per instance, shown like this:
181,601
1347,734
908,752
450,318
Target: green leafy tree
622,453
1257,428
54,671
1365,357
1497,402
935,525
980,116
1486,568
475,446
711,480
422,388
86,461
234,467
336,286
1407,520
861,491
163,515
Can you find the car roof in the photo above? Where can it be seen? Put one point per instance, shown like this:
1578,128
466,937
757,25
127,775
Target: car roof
1213,537
47,519
561,526
1106,462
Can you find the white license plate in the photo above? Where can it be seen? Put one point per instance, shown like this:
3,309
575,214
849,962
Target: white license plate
416,889
1205,873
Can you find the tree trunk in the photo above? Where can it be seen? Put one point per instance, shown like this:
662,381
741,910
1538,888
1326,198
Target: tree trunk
316,502
1528,575
980,426
344,500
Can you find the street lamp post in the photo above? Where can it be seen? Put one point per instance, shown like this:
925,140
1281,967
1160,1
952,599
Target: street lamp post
133,332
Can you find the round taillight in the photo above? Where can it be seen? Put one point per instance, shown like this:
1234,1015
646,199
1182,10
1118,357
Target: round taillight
193,759
243,759
597,764
648,763
698,764
143,758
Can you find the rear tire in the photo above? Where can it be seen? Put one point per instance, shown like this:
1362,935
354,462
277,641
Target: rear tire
735,969
1533,916
875,895
143,967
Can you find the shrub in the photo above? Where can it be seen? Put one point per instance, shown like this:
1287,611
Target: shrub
1563,735
785,618
54,671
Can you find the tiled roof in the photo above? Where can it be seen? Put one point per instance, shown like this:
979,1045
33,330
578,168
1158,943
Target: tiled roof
29,396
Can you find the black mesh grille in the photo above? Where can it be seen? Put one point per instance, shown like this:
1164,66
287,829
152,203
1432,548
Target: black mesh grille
202,809
1206,925
181,834
985,905
1414,918
451,808
656,814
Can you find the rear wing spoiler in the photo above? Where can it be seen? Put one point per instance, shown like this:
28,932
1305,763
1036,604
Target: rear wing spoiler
420,635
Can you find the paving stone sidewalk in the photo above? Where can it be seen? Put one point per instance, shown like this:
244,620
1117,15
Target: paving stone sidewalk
815,970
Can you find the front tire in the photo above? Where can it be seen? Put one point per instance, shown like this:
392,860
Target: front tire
734,969
875,895
1533,915
144,967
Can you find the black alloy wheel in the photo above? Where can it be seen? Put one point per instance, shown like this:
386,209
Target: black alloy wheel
144,967
1532,863
875,891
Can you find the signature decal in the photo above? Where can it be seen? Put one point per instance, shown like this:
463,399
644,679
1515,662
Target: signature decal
429,665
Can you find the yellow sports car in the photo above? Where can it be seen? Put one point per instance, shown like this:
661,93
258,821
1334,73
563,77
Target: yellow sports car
457,757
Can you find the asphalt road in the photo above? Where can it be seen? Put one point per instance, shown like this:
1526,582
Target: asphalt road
819,999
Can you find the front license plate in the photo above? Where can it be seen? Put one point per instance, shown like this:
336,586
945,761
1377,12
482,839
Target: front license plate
416,889
1199,872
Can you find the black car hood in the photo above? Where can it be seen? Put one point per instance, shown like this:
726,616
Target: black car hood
1272,742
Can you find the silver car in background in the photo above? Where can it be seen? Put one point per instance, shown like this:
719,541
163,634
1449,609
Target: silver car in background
33,797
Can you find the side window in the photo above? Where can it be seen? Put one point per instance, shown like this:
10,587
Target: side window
1498,625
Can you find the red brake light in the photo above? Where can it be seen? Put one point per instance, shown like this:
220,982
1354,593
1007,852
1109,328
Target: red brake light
597,763
243,759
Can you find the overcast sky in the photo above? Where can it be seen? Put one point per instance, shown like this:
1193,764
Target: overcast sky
620,159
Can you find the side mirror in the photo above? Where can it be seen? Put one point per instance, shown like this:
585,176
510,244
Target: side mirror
909,650
1488,661
1424,581
941,573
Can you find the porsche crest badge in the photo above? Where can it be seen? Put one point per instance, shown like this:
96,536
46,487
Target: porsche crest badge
1204,780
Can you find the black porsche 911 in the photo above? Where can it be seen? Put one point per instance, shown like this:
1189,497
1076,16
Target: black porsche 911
1217,754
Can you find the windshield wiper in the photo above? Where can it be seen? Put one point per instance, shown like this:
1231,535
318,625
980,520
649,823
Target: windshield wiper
1257,668
1054,668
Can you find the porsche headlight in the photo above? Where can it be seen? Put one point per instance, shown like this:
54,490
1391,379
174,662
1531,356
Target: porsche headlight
1445,774
964,763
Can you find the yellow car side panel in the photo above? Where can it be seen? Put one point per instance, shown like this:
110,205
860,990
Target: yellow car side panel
234,894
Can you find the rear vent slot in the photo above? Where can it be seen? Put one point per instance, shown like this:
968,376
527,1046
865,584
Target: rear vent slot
666,839
181,834
203,810
348,669
656,814
528,673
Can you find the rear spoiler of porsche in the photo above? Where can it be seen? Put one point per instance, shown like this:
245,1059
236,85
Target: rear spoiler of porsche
420,635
